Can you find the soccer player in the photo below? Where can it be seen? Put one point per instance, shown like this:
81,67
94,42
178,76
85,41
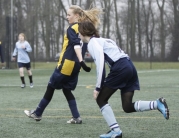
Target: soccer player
122,75
65,75
21,50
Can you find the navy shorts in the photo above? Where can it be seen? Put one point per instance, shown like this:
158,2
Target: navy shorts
59,80
123,76
25,65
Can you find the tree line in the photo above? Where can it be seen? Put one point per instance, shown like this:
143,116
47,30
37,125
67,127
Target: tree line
145,29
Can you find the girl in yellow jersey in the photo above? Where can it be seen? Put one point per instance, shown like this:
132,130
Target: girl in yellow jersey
65,76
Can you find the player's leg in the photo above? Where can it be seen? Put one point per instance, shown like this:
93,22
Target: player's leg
21,73
140,106
37,114
69,85
137,106
107,112
28,68
126,99
73,107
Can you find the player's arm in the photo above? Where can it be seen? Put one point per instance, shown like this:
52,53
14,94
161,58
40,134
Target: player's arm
72,34
14,54
97,53
28,48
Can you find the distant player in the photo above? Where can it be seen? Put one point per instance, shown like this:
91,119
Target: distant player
21,50
65,76
122,75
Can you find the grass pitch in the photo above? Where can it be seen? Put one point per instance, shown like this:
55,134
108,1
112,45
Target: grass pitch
154,84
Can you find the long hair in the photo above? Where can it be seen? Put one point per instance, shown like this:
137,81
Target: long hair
86,28
91,15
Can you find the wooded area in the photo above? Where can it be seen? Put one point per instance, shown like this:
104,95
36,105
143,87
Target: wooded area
148,30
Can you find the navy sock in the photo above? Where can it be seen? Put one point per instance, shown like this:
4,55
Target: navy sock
22,79
30,79
73,108
41,107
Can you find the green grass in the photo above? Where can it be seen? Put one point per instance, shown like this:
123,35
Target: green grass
154,83
139,65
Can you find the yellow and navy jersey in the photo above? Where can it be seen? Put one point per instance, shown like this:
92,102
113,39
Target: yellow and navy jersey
68,61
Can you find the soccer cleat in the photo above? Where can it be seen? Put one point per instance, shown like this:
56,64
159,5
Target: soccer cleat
162,107
112,134
75,121
22,85
31,85
31,114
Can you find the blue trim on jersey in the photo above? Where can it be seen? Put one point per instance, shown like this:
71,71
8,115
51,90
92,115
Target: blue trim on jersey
108,60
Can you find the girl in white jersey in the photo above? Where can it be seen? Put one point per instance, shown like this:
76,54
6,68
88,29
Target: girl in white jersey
21,50
122,75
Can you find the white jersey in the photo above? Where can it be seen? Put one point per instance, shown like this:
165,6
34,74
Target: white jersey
104,50
23,56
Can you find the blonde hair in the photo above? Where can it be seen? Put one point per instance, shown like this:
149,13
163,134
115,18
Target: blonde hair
91,15
23,35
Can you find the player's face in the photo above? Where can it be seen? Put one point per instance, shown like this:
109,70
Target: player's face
71,17
21,37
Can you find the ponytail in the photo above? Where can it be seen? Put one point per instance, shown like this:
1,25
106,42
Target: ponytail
92,15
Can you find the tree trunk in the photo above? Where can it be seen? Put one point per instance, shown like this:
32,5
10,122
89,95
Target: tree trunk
133,24
139,30
162,29
119,38
175,44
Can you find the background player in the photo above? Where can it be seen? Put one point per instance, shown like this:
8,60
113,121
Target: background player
21,50
122,75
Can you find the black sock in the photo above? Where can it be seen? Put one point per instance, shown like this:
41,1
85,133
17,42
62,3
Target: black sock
22,79
30,78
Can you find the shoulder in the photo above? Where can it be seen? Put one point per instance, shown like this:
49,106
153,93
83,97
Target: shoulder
74,27
95,40
26,42
17,42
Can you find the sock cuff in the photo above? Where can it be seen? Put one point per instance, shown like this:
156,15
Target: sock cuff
137,106
106,105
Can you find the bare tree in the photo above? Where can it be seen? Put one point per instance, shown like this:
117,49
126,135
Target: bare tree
132,29
175,33
149,28
139,29
119,38
162,29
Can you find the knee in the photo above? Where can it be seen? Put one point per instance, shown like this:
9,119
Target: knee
29,72
128,108
101,102
68,94
21,72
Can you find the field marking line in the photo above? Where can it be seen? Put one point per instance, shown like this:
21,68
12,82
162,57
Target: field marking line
87,117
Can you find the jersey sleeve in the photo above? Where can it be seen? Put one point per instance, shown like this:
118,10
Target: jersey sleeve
96,51
15,51
73,35
28,47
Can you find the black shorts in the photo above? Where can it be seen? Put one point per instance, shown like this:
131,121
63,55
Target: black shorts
59,80
25,65
123,76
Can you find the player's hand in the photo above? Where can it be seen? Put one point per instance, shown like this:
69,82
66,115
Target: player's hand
23,47
86,68
95,94
13,59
